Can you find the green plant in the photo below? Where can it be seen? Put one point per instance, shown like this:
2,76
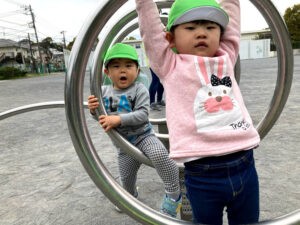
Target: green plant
11,73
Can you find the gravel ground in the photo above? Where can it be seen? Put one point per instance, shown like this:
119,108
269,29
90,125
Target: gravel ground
43,182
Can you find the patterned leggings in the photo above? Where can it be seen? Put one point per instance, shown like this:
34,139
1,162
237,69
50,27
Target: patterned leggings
166,168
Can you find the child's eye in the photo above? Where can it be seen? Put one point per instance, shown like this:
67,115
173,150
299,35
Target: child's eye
190,28
210,27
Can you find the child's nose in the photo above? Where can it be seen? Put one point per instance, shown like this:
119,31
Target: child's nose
123,68
201,32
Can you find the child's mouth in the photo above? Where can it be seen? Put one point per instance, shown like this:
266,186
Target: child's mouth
201,44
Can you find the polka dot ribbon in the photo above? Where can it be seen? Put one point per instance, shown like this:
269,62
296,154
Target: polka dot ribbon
215,81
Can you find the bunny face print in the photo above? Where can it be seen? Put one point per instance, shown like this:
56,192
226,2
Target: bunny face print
215,107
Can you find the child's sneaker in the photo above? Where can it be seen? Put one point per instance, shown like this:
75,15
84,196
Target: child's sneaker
155,106
161,103
170,206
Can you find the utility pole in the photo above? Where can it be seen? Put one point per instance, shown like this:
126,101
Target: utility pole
31,53
36,36
64,39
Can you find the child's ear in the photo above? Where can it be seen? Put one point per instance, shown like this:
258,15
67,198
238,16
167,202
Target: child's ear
170,38
106,71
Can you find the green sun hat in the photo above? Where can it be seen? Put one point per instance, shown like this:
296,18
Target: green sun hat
121,51
184,11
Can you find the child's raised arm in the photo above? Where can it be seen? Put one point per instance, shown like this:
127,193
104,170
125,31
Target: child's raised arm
231,38
153,35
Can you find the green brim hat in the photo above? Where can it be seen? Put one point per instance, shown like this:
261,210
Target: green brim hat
121,51
184,11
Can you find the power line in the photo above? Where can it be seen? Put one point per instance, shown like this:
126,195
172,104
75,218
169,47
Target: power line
6,14
14,2
12,29
12,24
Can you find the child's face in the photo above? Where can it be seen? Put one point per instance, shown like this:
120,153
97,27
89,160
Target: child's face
122,72
201,38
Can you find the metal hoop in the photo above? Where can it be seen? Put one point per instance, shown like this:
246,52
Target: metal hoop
76,118
31,107
290,219
285,64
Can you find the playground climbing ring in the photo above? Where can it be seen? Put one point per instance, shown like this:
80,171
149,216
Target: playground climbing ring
74,106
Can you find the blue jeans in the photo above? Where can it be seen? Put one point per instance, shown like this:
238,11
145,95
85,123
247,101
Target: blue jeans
155,88
230,181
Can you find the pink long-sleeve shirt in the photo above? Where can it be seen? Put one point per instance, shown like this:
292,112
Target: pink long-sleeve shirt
205,111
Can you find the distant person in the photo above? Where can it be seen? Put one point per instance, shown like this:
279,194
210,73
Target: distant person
210,129
48,67
127,104
156,89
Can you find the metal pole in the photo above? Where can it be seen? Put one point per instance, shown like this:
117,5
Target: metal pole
36,36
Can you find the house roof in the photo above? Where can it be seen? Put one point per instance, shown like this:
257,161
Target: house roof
4,43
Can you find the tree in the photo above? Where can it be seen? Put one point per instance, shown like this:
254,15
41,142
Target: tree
292,20
48,43
70,45
130,38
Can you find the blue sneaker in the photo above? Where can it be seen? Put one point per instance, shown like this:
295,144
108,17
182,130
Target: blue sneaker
170,206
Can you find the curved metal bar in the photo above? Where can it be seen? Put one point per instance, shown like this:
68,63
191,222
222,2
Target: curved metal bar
280,93
78,128
77,125
124,18
285,64
126,21
292,218
31,107
103,44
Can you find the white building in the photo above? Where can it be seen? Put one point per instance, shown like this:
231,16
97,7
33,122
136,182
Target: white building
250,47
10,49
256,44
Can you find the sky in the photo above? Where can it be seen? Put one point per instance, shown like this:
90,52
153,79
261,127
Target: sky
65,18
